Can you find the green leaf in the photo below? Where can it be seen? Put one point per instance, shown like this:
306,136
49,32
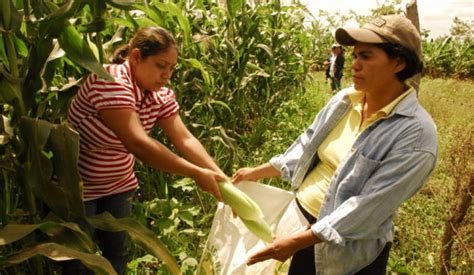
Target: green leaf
122,22
182,20
37,168
198,65
8,92
79,51
64,142
3,53
20,46
68,234
54,23
64,197
221,103
58,252
145,22
65,232
151,14
233,6
65,11
123,4
10,19
139,234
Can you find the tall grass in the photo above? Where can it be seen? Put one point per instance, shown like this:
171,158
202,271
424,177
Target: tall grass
420,223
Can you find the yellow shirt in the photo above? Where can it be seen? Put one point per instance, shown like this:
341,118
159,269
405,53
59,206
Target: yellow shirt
335,147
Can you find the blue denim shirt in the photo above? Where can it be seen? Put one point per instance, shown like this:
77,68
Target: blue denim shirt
388,164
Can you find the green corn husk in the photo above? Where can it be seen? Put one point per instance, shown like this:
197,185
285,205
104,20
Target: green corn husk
260,228
247,210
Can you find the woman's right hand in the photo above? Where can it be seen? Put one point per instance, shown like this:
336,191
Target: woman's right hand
208,180
246,173
255,173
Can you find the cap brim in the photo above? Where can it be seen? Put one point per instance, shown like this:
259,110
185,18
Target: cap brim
350,36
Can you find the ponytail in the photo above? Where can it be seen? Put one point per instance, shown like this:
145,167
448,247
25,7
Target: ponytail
120,55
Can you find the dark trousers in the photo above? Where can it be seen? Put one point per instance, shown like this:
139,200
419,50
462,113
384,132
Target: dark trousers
112,244
302,262
335,84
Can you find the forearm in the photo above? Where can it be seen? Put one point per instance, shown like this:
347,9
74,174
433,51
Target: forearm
255,173
304,239
194,152
155,154
284,247
266,170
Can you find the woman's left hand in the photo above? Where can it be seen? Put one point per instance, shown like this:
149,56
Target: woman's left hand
284,247
280,249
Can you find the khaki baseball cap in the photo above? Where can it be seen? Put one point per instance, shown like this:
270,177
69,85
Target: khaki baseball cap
389,28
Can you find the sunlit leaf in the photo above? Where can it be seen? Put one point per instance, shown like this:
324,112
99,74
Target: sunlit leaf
146,22
123,4
79,51
198,65
58,252
233,6
182,20
122,22
53,227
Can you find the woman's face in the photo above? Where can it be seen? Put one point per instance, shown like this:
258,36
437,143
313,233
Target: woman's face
372,69
153,72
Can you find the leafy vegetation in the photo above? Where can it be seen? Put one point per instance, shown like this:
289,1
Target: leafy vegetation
245,90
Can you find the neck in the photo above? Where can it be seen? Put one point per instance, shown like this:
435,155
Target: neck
376,100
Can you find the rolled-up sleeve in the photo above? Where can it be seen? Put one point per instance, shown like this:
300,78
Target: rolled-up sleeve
286,162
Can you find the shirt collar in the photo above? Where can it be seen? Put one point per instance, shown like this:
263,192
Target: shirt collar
356,98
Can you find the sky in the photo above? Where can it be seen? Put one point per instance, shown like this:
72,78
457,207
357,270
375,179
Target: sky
435,15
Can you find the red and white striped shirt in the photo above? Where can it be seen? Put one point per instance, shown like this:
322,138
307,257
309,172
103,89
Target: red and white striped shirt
105,165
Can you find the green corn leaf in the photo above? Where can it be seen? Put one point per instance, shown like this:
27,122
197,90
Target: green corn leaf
139,234
3,53
58,252
78,50
198,65
260,228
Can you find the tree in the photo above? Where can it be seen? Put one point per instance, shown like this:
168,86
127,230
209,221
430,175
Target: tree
461,29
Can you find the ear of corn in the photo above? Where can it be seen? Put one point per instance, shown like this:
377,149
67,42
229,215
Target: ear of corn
242,204
247,209
260,228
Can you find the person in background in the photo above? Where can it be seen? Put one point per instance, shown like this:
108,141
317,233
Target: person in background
368,150
114,119
336,67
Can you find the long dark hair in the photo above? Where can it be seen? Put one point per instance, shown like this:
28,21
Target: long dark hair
149,40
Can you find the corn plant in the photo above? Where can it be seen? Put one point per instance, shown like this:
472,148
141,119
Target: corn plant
449,57
38,41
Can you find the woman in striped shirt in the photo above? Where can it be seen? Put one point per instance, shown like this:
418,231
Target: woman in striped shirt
114,119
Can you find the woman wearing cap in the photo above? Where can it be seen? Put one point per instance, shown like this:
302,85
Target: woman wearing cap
370,149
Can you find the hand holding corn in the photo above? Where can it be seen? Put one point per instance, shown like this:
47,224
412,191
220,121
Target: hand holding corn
248,210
